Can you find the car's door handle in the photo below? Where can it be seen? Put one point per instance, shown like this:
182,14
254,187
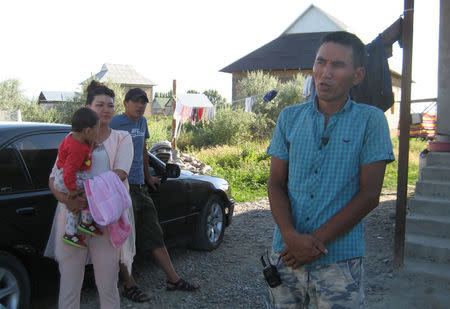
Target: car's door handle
27,211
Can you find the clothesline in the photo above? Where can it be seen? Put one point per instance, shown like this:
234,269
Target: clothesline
254,96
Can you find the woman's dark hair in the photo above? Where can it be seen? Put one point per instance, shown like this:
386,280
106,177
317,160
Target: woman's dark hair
96,88
84,118
350,40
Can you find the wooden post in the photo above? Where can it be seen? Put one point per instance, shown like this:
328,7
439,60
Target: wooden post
405,120
174,122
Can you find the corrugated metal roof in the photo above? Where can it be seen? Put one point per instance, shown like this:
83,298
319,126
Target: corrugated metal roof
160,102
287,52
57,96
123,74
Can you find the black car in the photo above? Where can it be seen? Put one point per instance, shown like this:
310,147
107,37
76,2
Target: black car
192,208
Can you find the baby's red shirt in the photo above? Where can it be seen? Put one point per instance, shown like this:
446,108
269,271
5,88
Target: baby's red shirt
73,156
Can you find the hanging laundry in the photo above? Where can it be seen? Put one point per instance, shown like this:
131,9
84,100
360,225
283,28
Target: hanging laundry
249,103
193,107
376,87
307,88
199,114
270,95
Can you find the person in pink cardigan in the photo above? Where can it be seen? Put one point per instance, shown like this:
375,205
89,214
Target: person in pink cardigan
114,152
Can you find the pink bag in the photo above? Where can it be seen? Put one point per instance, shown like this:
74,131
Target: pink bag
108,201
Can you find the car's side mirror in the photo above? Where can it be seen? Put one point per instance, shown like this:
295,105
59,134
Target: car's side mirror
172,170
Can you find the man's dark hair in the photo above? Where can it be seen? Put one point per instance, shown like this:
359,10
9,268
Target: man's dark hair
96,88
350,40
135,95
84,118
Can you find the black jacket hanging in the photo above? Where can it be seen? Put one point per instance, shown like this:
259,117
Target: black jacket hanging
376,87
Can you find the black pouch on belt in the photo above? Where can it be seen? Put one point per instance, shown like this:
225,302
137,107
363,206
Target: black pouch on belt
271,273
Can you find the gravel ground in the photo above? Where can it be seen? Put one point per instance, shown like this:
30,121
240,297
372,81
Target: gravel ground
231,276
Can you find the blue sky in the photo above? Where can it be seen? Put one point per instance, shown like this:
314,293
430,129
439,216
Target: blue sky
54,45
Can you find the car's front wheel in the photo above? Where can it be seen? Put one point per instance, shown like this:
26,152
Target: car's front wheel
211,225
14,283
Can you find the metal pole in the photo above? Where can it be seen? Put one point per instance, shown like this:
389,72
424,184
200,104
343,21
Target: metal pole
405,120
174,122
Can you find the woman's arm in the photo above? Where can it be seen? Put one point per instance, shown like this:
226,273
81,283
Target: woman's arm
73,205
122,174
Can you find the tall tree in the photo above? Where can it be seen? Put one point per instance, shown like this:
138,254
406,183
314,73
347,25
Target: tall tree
215,98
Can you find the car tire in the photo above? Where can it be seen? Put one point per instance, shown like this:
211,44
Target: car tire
210,225
14,283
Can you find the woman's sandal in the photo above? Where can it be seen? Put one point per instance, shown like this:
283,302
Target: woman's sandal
135,294
181,285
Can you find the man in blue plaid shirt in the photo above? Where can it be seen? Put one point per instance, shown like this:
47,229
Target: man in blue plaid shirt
328,161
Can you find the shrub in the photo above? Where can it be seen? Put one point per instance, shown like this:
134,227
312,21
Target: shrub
230,127
159,128
12,98
257,84
415,148
246,167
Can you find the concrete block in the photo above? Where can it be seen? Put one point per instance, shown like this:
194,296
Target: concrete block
435,173
437,226
438,158
429,206
438,273
434,189
433,249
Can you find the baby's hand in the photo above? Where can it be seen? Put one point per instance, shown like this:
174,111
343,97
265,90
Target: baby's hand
72,194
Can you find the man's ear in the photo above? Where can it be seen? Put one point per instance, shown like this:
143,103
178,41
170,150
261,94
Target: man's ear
359,75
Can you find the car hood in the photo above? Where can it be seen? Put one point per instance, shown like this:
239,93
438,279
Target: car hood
217,182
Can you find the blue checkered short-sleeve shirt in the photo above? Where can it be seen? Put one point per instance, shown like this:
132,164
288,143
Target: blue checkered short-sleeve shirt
325,164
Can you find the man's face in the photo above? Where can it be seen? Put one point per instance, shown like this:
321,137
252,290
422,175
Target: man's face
334,72
135,109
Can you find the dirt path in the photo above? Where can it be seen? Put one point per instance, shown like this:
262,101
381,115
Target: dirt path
230,276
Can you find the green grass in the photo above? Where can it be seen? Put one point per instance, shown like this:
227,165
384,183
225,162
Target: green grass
246,167
415,148
159,128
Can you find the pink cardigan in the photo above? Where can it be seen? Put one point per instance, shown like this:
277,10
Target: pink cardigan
108,201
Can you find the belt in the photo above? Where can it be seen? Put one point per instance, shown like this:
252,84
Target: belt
138,186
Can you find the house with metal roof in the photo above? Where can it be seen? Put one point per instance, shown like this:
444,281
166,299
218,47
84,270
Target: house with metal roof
48,99
293,51
126,76
161,106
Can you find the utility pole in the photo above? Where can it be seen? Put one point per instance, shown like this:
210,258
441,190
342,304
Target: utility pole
405,120
174,122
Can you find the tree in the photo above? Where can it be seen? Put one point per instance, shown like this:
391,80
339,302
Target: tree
168,94
13,99
215,98
192,91
257,84
11,96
